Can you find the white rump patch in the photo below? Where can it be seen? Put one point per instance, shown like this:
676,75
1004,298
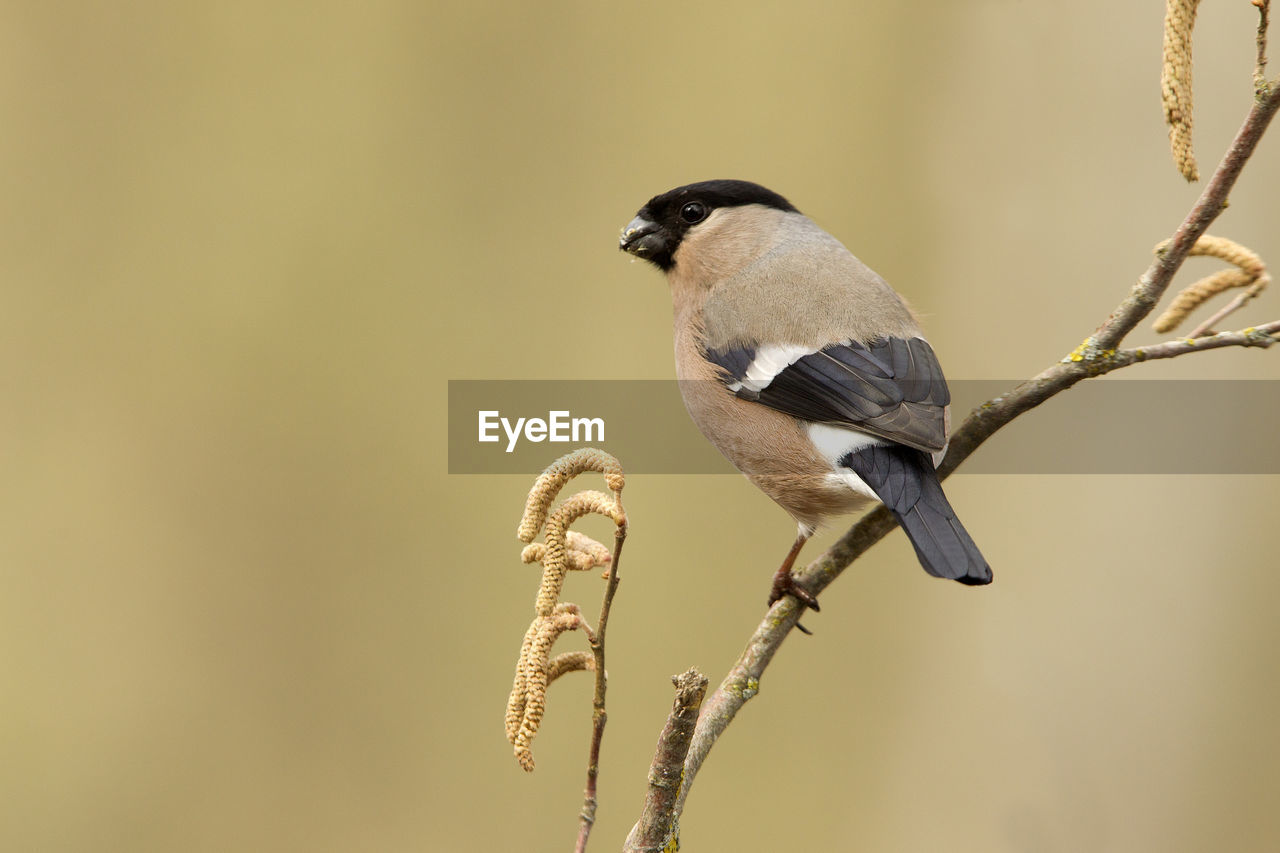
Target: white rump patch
834,443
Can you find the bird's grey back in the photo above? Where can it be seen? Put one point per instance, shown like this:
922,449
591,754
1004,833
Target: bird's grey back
807,289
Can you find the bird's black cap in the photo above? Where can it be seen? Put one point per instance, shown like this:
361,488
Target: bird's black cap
720,193
660,225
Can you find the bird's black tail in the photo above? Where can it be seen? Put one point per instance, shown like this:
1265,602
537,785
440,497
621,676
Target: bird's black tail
904,479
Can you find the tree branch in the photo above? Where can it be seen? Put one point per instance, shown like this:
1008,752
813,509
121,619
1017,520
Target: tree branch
1260,63
657,824
1096,356
587,817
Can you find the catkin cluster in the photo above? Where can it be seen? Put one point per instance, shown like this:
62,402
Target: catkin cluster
562,550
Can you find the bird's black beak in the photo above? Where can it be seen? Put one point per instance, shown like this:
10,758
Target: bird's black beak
642,238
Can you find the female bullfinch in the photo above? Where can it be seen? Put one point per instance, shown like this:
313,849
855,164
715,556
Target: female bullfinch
804,368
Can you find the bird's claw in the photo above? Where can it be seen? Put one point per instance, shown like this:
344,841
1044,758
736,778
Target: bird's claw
784,584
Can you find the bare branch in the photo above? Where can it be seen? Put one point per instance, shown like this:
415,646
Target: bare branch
1255,336
1260,64
587,817
657,825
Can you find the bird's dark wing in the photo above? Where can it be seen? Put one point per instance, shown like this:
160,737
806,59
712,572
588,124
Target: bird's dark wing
892,388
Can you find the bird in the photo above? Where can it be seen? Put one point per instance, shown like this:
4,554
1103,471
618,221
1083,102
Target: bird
804,368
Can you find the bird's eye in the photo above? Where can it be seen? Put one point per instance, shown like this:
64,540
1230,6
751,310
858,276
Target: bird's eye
694,211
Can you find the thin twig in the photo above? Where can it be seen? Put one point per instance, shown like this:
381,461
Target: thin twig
1231,307
587,817
1096,356
1260,64
1255,336
657,826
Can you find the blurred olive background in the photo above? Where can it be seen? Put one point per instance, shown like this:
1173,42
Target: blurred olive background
244,607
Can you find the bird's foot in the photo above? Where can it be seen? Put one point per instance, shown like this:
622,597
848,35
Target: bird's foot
784,584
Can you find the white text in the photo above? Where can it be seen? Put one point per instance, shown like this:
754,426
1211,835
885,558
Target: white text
559,426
